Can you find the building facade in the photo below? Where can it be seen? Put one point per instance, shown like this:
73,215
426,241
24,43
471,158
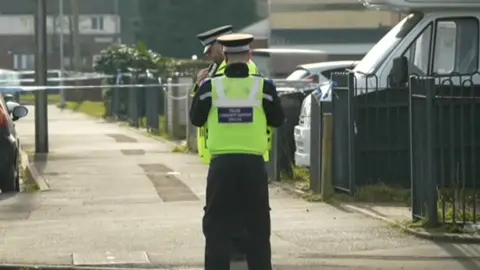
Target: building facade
99,27
333,26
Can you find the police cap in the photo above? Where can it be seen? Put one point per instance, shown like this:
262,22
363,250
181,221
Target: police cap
235,43
209,37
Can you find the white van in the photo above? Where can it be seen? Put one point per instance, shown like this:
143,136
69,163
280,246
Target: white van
302,130
436,37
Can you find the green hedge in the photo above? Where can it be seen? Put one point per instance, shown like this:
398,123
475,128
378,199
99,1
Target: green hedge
139,58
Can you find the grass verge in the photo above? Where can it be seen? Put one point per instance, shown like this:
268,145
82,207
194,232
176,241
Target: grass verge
425,226
28,184
378,193
92,108
29,98
180,148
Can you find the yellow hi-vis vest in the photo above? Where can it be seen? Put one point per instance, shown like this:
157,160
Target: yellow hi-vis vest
202,132
236,121
252,68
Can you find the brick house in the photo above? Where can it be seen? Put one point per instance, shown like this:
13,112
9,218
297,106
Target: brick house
99,27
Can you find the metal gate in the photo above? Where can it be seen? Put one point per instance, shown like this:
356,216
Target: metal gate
343,143
370,133
445,144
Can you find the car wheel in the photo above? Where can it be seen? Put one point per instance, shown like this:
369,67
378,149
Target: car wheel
9,179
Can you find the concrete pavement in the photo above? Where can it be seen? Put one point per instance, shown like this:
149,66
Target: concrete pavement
119,198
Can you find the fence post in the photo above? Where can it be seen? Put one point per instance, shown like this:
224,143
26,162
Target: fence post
351,131
152,104
169,107
166,105
191,129
161,96
431,181
107,94
326,188
140,93
315,144
183,96
132,102
272,164
116,96
173,108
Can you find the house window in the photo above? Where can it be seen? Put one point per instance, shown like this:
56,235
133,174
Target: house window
23,61
95,57
97,23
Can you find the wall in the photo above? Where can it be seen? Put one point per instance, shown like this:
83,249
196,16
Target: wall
25,45
25,24
332,19
291,14
259,43
17,48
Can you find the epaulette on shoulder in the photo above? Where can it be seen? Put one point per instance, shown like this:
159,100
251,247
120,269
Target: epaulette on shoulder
268,80
204,81
217,75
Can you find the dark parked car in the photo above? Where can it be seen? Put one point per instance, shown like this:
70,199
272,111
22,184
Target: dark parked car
10,111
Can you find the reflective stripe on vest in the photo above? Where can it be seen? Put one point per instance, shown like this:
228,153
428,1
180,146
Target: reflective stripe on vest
237,122
224,102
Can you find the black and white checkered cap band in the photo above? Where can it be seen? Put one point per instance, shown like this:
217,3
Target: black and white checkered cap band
236,49
211,39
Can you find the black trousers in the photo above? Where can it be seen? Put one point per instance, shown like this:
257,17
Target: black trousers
237,185
239,237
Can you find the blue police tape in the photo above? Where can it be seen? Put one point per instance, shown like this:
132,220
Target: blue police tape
82,77
16,89
12,85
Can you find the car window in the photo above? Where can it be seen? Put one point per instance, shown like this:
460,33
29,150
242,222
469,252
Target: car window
456,46
298,74
328,73
418,54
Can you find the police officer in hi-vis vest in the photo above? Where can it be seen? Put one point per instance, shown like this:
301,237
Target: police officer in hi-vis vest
236,108
215,54
214,50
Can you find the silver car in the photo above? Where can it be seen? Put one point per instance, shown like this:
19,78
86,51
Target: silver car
302,130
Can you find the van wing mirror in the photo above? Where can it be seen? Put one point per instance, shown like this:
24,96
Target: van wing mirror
399,72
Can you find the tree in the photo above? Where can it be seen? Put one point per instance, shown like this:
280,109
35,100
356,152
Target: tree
170,26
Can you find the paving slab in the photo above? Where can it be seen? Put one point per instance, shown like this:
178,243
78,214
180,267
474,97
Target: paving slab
103,200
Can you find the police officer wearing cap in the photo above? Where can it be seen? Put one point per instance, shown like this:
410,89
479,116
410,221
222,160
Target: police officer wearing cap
214,50
215,53
237,107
